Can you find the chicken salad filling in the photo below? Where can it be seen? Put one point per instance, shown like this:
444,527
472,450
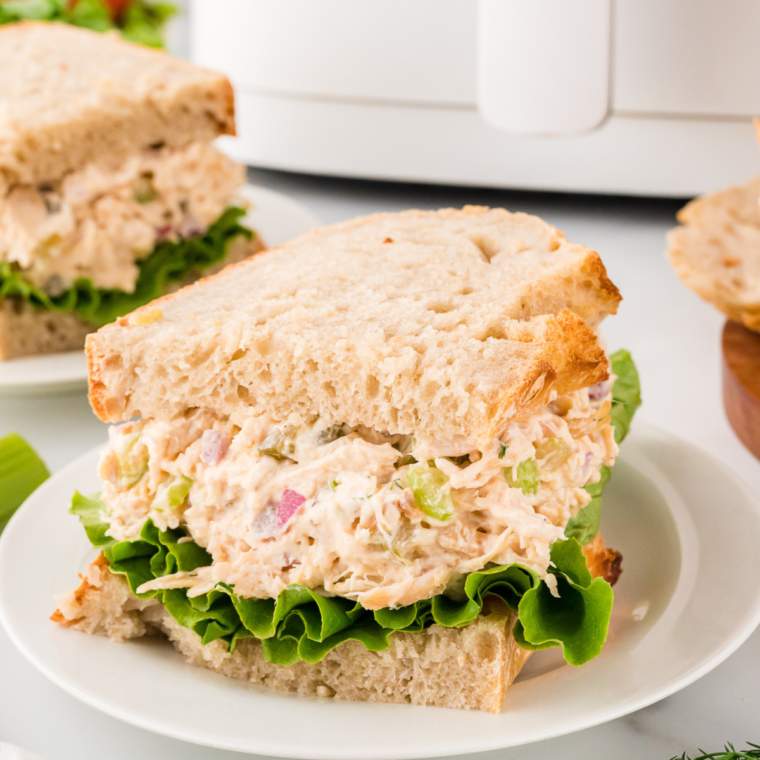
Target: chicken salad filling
383,520
98,222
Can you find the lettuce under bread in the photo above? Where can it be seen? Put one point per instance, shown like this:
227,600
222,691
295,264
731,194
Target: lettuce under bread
170,262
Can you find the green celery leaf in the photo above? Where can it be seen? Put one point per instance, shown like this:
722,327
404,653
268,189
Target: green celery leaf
169,262
21,472
626,393
90,511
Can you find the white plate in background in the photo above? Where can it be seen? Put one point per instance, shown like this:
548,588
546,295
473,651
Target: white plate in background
277,219
688,530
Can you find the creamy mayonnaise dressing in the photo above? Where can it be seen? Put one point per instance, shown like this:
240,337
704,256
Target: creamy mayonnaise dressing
96,222
332,508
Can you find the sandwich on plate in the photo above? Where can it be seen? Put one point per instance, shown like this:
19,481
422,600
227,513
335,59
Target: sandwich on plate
111,190
365,465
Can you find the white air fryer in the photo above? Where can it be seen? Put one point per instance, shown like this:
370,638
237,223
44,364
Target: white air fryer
650,97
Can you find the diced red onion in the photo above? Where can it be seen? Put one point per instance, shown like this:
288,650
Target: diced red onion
586,470
599,391
164,231
214,445
190,227
290,501
265,523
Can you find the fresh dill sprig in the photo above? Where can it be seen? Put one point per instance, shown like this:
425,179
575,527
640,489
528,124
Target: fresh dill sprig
729,753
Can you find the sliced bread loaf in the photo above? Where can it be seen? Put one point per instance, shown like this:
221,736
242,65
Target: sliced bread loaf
439,322
716,251
70,96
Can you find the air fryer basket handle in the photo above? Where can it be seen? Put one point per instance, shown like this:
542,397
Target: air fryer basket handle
544,65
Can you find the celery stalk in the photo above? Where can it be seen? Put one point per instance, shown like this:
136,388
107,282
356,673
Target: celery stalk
21,471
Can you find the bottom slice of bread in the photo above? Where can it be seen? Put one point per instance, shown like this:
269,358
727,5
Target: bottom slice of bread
466,668
26,330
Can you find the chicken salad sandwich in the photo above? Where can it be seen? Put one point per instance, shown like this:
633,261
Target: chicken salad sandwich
367,464
111,190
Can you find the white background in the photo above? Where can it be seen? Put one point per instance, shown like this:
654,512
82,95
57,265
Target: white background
675,340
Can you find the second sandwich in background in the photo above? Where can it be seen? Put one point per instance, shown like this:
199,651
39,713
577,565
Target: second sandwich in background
111,191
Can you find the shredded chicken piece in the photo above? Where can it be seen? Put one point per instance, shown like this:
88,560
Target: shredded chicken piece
331,507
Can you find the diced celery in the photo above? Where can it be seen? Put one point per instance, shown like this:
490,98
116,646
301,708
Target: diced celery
21,471
527,477
172,493
145,190
330,434
553,453
398,544
280,443
427,484
132,460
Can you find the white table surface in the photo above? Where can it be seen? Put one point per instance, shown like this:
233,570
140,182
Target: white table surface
675,340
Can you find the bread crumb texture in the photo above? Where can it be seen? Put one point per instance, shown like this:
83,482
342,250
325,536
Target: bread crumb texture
716,251
438,322
69,96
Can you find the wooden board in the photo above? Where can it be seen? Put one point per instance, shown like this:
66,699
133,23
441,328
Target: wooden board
741,383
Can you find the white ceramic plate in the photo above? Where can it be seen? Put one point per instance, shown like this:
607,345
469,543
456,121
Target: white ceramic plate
274,216
688,597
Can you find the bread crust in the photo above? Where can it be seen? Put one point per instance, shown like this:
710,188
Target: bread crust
70,96
465,668
459,365
716,251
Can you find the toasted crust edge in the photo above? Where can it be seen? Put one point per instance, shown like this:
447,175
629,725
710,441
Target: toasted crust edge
590,367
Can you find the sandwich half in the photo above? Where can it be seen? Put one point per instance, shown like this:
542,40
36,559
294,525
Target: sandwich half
367,464
111,191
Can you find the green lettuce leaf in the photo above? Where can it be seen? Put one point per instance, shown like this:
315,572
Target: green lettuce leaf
626,399
578,619
585,525
143,21
626,393
302,625
168,263
21,472
90,510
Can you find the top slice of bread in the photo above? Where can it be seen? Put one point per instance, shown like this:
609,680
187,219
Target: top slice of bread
716,251
70,96
444,323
